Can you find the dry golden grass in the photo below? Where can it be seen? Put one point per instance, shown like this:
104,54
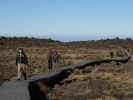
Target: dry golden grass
107,82
38,58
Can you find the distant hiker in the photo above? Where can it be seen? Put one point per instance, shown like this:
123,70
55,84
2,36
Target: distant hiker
21,62
57,59
111,54
50,60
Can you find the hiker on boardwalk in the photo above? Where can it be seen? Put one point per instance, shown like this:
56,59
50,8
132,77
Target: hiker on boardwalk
50,60
21,62
57,59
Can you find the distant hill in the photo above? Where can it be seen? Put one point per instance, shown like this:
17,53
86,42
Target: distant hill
27,42
108,43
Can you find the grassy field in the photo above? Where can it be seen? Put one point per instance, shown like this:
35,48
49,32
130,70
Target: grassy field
37,57
105,82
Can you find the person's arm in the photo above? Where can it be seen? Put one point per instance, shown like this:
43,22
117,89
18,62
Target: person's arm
26,59
16,60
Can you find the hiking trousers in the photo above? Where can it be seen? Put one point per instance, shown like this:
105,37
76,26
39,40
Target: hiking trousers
22,71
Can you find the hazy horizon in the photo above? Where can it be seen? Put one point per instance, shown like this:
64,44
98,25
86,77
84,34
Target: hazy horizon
67,38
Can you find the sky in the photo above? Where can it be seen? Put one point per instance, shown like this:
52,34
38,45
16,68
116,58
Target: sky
67,20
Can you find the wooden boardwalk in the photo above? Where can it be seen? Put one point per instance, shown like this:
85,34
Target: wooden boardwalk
30,90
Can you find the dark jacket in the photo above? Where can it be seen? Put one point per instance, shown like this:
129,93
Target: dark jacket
21,59
50,58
